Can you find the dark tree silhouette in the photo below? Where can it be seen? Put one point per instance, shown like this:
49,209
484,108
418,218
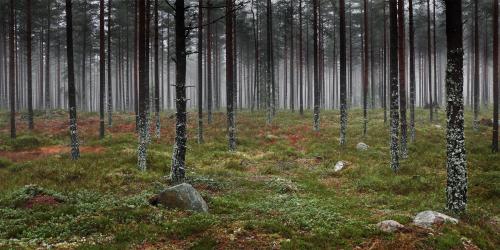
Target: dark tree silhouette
456,187
343,72
402,77
102,69
394,107
75,149
200,71
316,65
28,63
411,34
12,79
179,155
495,76
231,124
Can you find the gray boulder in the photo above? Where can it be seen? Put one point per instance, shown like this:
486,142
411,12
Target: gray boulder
429,218
362,146
389,226
182,197
341,165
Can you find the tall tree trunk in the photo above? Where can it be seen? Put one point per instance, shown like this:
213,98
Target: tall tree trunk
476,66
143,87
29,69
365,66
84,57
429,60
136,64
110,89
301,62
316,66
394,107
209,64
384,84
12,81
157,71
269,61
102,70
402,77
343,72
495,76
179,154
75,151
200,71
411,33
229,75
292,70
456,188
47,62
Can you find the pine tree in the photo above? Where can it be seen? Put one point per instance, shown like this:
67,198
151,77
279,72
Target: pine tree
110,89
402,77
143,88
157,70
476,66
179,155
316,66
365,66
12,79
231,123
200,71
75,149
343,72
29,62
102,70
456,188
394,107
495,76
411,34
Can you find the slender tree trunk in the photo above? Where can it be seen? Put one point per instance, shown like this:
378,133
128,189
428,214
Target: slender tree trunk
143,87
301,62
316,66
456,188
47,62
136,64
12,80
209,64
394,85
365,67
429,60
157,70
75,151
29,68
102,70
411,33
269,61
229,75
179,154
292,70
495,76
110,89
384,84
200,71
402,78
343,72
476,66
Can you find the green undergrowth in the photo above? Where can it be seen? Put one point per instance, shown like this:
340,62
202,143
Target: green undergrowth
278,189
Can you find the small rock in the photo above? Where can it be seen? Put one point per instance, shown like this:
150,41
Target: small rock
362,146
183,197
437,126
429,218
271,137
389,226
341,165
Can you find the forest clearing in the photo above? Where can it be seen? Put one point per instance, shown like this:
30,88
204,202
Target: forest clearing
279,190
249,124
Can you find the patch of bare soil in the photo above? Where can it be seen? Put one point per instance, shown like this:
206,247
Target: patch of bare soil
41,200
33,154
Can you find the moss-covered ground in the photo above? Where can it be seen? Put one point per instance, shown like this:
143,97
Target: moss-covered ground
278,190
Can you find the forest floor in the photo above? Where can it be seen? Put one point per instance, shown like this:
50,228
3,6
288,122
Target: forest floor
279,190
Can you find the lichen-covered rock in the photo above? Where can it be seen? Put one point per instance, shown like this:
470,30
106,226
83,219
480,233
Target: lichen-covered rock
341,165
183,197
362,146
429,218
389,226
